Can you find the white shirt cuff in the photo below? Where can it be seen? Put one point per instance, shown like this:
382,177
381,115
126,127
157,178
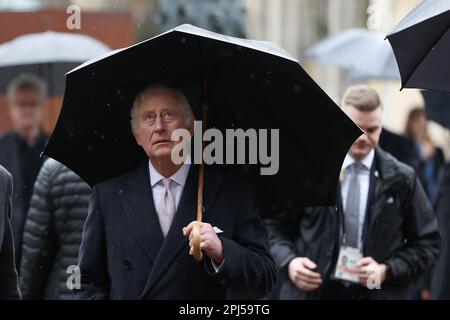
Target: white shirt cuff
217,268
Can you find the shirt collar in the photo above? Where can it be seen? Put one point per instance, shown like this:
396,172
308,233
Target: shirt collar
367,161
179,177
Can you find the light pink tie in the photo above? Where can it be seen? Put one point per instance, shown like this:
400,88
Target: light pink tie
166,209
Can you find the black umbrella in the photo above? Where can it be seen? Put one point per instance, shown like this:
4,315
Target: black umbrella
421,43
437,106
250,84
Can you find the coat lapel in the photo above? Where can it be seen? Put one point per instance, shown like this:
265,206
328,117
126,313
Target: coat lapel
137,201
175,242
387,178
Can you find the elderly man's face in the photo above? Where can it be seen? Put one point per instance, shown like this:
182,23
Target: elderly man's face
26,109
370,123
158,115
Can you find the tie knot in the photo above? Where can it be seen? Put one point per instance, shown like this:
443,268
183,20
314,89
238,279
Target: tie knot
356,167
167,182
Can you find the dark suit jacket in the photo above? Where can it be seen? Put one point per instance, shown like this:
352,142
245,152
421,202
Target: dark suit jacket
9,288
10,159
124,255
400,231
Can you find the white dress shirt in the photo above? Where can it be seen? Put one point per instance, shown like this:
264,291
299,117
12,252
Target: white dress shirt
177,186
364,181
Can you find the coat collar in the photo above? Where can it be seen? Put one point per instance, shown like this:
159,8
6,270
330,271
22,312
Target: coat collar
387,175
137,201
387,167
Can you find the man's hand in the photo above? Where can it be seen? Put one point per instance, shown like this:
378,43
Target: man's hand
209,241
301,275
371,272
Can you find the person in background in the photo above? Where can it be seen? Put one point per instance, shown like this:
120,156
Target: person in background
431,158
440,279
383,221
52,233
20,148
8,275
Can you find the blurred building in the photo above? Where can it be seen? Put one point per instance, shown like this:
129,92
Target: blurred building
298,24
221,16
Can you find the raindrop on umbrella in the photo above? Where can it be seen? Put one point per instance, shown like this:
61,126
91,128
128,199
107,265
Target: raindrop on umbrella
297,88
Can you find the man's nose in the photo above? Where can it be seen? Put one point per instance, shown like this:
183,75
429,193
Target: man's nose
159,124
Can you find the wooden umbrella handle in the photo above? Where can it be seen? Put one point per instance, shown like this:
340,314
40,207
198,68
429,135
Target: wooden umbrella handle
198,255
196,228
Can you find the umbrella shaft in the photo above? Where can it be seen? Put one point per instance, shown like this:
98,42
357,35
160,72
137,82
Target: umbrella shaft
201,172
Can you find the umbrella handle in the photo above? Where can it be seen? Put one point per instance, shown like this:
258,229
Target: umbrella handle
196,227
198,255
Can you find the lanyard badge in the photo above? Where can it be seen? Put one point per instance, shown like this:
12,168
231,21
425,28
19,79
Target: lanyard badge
347,270
346,266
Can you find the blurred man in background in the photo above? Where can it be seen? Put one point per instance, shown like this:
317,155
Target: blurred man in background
20,148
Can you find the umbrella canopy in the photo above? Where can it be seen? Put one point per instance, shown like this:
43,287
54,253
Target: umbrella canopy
421,43
437,106
50,47
48,54
251,84
363,52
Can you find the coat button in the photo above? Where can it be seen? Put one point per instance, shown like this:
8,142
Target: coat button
127,263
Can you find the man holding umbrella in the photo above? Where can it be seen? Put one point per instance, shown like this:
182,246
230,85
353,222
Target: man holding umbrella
383,223
134,241
139,227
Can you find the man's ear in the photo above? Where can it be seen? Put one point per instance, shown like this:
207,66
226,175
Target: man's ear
136,135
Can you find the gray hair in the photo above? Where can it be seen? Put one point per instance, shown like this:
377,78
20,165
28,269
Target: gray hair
25,82
183,103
